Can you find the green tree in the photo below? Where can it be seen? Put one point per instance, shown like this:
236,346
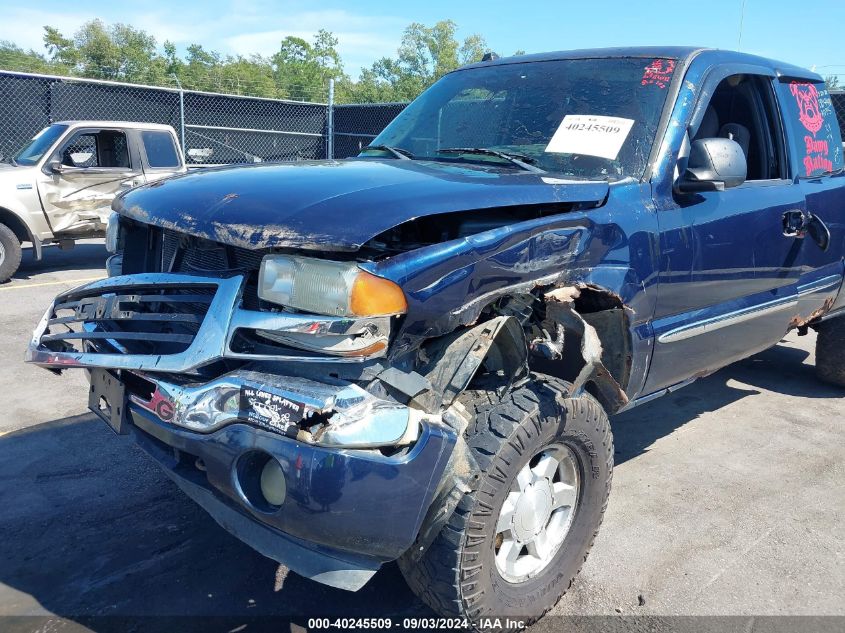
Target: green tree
200,70
302,69
118,51
60,49
833,82
425,54
13,57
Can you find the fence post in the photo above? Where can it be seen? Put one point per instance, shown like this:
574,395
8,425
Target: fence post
181,117
330,122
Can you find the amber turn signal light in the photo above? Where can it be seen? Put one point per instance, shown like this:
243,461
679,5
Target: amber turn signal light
376,296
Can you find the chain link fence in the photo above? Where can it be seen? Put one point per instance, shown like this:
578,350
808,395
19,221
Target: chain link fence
229,129
356,125
214,128
838,99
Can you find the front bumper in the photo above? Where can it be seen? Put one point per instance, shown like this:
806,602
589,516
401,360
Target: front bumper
347,507
346,511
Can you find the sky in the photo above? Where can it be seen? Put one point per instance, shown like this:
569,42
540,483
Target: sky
805,33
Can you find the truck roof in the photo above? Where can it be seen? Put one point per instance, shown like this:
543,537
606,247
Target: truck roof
135,125
684,53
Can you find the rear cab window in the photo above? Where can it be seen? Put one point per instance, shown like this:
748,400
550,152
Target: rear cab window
814,137
160,149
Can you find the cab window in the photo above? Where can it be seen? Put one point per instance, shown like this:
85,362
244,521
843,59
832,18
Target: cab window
104,149
814,137
160,149
743,109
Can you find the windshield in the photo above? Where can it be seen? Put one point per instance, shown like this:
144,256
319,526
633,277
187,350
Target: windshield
585,118
40,143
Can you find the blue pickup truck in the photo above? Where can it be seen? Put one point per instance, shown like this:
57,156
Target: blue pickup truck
412,354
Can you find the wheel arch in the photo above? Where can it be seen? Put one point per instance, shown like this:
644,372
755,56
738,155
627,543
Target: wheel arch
579,333
14,222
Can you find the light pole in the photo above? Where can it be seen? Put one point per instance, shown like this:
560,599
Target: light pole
181,115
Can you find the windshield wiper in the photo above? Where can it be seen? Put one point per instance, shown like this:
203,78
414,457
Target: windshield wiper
397,152
520,160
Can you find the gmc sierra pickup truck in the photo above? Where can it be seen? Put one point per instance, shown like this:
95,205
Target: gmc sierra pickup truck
59,187
412,354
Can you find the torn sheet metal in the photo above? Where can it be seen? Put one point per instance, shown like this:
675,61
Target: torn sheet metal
560,310
80,202
453,361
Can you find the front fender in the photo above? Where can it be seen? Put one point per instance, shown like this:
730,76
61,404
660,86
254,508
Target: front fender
19,202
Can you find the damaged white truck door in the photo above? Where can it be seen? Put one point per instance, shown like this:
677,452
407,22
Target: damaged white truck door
82,177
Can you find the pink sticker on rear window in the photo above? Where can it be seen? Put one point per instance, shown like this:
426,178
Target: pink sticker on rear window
817,151
658,73
809,111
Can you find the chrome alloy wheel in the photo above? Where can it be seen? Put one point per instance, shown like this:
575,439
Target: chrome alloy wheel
2,253
537,513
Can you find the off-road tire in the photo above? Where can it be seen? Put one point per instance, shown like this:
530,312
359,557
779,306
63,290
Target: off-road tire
830,351
457,575
10,254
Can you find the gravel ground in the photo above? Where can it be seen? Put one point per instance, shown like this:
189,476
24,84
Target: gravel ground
728,500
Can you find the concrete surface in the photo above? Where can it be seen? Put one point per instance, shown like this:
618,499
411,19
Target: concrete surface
728,500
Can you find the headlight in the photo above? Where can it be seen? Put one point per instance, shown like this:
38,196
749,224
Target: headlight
113,233
325,287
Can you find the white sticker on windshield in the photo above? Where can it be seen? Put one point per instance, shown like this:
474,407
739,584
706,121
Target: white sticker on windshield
590,135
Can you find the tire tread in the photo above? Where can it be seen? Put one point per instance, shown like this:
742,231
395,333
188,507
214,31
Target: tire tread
443,578
12,246
830,351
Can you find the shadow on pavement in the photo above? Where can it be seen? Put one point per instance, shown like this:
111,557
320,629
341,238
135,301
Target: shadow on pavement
779,369
91,528
88,255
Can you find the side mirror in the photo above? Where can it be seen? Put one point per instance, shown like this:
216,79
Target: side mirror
55,167
714,164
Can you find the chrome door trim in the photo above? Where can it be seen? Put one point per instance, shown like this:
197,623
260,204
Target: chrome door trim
726,320
825,283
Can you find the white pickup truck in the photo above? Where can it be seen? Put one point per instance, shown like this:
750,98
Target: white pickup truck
60,186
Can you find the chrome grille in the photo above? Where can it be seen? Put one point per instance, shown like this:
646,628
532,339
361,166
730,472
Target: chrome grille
172,322
135,319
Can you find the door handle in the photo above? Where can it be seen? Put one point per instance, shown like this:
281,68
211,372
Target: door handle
794,223
798,223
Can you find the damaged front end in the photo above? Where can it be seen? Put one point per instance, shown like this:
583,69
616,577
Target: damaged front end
285,394
216,391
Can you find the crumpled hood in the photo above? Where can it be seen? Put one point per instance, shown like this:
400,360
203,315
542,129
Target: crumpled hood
335,205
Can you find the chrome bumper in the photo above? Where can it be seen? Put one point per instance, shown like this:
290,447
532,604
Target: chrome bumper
329,339
339,415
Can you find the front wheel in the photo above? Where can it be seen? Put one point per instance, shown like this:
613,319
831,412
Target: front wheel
10,253
514,545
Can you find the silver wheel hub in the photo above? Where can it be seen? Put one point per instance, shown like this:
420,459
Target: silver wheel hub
536,514
533,510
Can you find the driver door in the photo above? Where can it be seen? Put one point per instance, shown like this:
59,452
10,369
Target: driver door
82,177
728,285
